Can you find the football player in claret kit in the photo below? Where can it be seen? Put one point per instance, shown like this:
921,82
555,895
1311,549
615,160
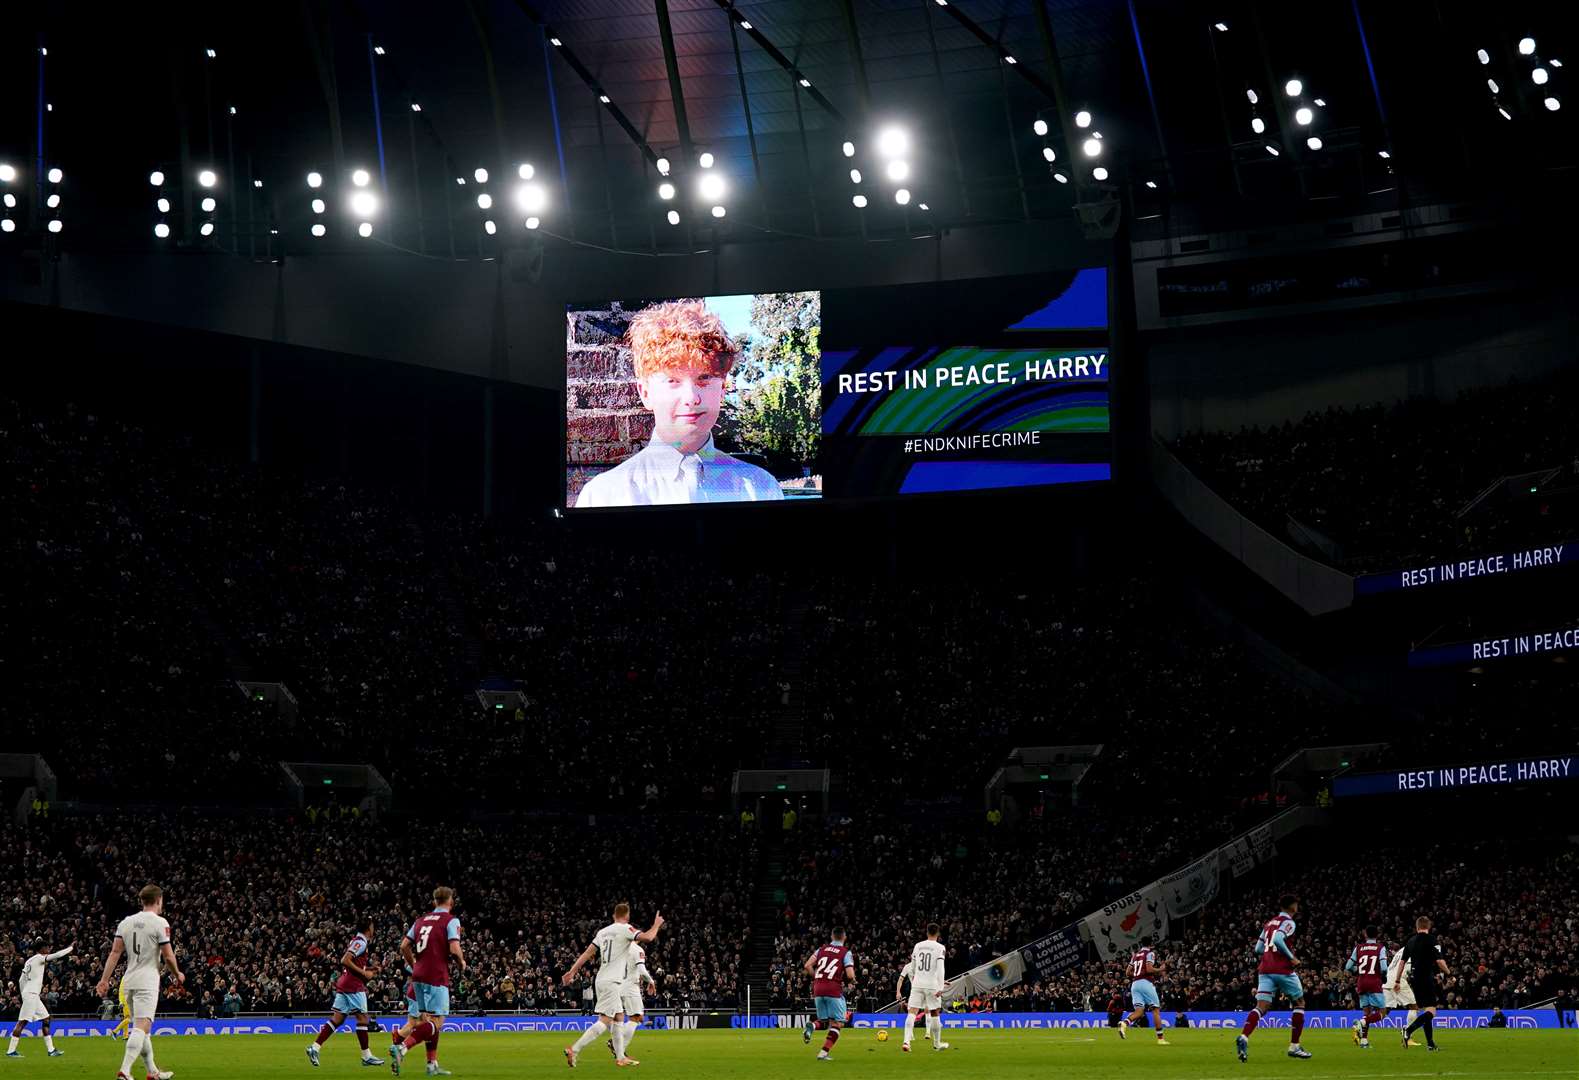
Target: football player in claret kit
144,940
927,980
832,970
350,994
612,946
1368,961
1274,976
427,948
1142,991
31,984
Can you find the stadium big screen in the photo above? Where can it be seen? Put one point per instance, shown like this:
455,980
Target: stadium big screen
846,393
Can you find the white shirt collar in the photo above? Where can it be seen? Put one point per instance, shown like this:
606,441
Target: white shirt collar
668,455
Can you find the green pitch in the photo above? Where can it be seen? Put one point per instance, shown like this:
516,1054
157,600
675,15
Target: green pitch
769,1055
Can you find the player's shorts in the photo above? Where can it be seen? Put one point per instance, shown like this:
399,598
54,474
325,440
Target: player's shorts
1269,986
630,1000
925,1000
1403,999
1377,1000
433,1000
33,1009
141,1004
830,1008
350,1004
1427,992
412,1012
611,993
1143,995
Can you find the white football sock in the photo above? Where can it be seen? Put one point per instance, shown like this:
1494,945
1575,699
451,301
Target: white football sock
12,1048
134,1049
631,1027
595,1031
619,1038
1411,1017
49,1043
148,1052
910,1026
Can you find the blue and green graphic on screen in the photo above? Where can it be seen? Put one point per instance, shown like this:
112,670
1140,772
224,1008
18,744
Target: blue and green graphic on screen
961,386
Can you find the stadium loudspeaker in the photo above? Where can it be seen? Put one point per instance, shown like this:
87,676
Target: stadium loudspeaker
1099,220
525,263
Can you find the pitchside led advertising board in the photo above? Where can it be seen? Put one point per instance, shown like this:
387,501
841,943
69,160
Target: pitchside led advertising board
283,1025
845,393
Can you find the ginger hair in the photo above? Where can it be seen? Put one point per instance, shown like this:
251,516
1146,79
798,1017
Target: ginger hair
681,335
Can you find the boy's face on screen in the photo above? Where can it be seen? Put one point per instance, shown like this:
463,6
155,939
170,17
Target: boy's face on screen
684,406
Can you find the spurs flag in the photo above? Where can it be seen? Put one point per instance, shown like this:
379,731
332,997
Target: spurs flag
1118,927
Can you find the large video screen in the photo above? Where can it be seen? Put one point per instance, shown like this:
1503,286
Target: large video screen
845,393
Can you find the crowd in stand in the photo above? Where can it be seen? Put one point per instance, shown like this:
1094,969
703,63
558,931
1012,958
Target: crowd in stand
101,623
1505,916
991,890
898,672
636,636
147,577
140,579
263,908
1385,483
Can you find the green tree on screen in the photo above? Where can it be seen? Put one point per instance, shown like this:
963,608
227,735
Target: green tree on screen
778,384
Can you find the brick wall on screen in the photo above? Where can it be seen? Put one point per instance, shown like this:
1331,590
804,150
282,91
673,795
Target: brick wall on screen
604,420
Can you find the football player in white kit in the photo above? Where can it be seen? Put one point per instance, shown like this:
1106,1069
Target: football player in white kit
144,940
927,980
32,986
611,946
631,1007
1396,991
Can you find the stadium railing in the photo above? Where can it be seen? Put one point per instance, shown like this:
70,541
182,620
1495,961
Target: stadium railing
1314,586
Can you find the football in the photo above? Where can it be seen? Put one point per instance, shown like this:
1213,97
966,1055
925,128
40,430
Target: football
882,1034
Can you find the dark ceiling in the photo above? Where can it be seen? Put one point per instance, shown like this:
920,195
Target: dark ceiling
1167,91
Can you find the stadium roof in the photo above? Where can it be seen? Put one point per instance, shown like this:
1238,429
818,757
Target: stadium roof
773,87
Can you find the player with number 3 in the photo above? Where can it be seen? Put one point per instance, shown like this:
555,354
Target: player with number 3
427,948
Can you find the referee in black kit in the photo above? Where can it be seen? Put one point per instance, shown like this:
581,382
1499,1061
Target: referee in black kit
1425,960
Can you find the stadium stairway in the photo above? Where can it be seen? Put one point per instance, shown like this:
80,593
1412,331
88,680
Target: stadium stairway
766,908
